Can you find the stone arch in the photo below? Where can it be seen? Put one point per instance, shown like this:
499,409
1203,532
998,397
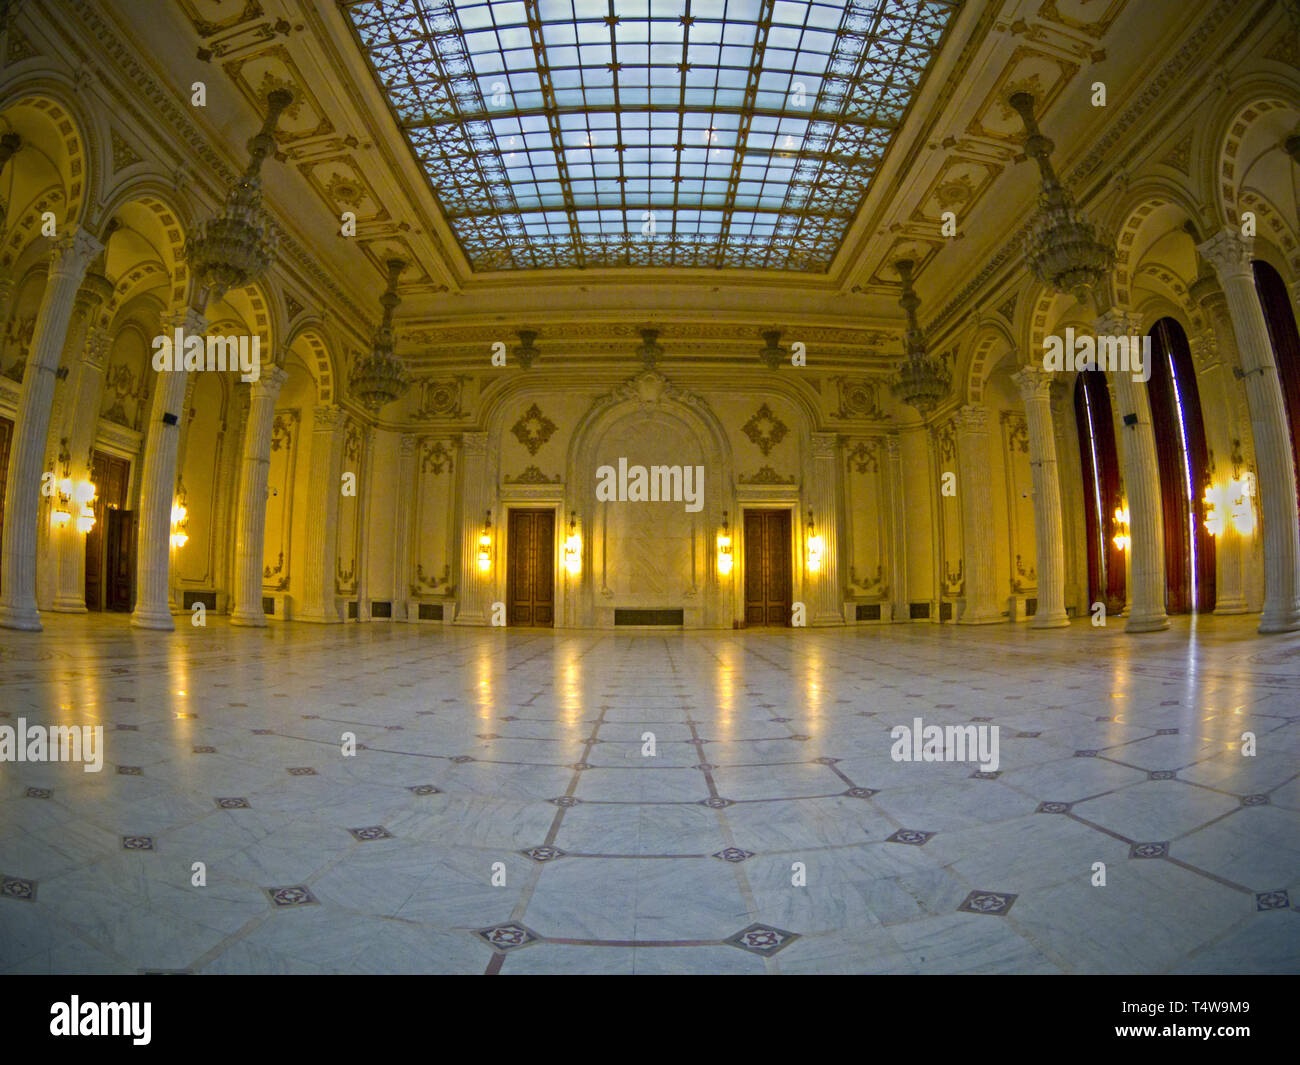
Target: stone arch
1258,101
992,339
171,220
317,356
1132,216
48,101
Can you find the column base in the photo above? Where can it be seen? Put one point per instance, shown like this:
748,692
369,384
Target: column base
1155,623
248,619
159,620
70,604
24,619
1050,621
1231,606
1271,621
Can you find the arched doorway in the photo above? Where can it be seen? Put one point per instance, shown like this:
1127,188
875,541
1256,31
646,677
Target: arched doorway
1183,459
1101,489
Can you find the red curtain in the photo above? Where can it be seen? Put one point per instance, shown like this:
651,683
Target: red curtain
1105,559
1286,344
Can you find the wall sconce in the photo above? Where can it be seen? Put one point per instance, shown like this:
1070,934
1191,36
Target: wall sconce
724,547
179,524
1121,522
573,546
73,496
1231,503
485,544
816,546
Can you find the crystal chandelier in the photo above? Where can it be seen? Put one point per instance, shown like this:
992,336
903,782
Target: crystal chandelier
922,380
650,351
1062,247
526,352
379,378
238,245
771,352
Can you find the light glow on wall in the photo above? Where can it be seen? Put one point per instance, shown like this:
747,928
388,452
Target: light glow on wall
1230,503
724,547
816,547
485,545
1121,522
179,524
573,547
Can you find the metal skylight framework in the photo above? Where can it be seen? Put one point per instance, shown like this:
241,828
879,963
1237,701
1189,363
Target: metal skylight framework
551,131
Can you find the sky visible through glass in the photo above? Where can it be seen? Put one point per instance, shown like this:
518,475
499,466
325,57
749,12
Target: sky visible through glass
570,133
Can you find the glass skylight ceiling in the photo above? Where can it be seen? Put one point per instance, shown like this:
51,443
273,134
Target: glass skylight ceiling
569,133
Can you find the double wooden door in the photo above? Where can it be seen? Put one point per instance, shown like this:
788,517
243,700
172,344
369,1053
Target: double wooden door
767,567
530,568
110,544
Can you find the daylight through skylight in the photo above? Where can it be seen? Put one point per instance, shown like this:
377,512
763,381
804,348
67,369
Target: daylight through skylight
569,133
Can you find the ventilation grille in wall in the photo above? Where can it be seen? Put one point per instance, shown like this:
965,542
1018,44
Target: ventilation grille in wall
945,611
208,599
918,610
1031,607
381,609
649,617
430,611
268,604
868,611
352,610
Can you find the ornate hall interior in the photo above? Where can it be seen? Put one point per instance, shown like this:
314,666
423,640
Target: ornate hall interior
649,486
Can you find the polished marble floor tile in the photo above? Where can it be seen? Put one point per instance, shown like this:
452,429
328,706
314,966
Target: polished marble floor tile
501,812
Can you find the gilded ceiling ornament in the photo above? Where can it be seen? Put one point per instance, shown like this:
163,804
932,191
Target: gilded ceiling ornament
765,429
533,429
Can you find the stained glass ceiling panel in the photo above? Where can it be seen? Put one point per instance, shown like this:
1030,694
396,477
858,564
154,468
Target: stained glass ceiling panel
572,133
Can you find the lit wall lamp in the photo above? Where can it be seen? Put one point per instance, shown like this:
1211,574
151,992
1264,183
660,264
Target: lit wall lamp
180,522
485,544
724,547
1230,502
84,497
1121,523
573,546
73,497
816,546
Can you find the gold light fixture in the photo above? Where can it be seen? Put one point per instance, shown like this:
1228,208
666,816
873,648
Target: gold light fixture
724,547
1121,523
816,546
74,497
180,522
485,544
1230,503
573,546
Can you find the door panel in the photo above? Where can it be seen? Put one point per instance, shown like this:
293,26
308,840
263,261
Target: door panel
768,575
530,568
120,536
110,475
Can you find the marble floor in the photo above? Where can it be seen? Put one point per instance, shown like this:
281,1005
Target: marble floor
502,812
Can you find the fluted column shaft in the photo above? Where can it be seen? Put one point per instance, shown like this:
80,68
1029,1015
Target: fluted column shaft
1230,255
250,521
1049,538
897,528
158,487
402,532
1146,582
71,256
982,606
365,495
827,585
324,485
475,589
81,423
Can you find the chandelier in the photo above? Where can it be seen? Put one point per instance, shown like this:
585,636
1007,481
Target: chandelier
650,351
238,245
1062,246
379,378
771,352
921,380
526,352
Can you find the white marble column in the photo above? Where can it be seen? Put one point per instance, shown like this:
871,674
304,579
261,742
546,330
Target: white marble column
324,487
474,595
403,529
897,529
827,585
1049,538
82,421
250,518
69,259
158,486
1070,480
1146,572
1230,255
365,498
982,607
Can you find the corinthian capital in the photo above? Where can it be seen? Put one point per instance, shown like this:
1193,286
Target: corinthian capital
1229,253
1034,382
972,419
73,253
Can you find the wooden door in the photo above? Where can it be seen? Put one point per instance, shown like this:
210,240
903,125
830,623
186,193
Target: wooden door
768,575
110,475
6,438
530,568
120,555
